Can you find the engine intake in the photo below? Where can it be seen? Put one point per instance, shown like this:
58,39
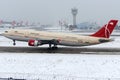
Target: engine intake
34,43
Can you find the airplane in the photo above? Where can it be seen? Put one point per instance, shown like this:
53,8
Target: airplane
37,38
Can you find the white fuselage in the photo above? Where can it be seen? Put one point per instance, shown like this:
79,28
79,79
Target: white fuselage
63,38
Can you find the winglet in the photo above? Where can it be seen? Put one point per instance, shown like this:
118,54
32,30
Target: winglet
106,30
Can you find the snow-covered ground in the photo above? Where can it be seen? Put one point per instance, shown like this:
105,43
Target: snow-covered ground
60,66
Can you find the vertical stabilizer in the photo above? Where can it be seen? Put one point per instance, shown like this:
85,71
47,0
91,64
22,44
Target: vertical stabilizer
106,30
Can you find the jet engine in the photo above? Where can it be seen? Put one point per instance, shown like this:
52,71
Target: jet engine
34,43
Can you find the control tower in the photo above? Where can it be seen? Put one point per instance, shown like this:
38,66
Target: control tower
74,12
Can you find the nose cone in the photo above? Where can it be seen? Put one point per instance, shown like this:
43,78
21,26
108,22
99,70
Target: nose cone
3,34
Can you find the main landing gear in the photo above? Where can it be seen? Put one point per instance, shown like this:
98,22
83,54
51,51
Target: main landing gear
14,42
54,43
54,47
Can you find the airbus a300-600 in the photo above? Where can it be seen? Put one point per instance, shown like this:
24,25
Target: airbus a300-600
37,38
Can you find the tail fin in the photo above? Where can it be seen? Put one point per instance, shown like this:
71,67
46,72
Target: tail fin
106,30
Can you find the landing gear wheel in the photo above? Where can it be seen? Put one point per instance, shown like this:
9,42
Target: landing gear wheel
55,47
50,47
14,42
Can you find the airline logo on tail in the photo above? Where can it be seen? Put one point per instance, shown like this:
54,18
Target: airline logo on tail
111,23
106,30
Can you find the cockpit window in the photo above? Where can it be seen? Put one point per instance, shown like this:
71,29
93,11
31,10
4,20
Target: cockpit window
6,31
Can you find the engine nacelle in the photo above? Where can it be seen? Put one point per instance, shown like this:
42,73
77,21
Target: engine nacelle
34,43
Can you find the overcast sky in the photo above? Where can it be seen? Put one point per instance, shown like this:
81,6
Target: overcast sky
51,11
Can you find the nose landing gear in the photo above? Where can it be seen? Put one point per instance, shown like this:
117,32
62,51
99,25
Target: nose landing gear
14,42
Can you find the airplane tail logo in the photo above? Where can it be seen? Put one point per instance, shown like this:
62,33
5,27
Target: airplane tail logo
106,30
